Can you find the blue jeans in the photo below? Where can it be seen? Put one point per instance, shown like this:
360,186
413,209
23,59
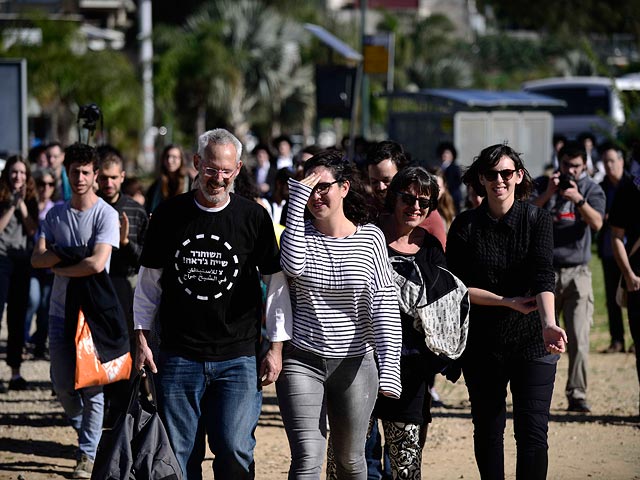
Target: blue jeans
84,407
378,461
310,388
39,295
220,399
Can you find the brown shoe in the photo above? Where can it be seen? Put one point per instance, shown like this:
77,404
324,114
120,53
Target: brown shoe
615,347
84,468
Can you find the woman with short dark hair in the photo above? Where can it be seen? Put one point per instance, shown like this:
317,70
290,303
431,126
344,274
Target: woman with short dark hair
412,197
503,252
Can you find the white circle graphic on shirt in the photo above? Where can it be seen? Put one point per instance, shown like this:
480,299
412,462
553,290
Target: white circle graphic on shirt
206,266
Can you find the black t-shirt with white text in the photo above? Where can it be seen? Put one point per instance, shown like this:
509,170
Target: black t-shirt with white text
210,308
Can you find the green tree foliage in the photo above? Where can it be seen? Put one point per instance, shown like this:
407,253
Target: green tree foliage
573,22
427,52
231,63
63,74
503,61
575,17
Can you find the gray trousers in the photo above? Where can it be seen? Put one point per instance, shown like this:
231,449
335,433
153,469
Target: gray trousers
574,299
313,388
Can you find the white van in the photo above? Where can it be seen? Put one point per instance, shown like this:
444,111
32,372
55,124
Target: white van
593,103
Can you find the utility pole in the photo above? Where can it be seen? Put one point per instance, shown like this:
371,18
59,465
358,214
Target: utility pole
364,91
147,160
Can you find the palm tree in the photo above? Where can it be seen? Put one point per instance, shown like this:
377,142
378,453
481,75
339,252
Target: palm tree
428,55
238,58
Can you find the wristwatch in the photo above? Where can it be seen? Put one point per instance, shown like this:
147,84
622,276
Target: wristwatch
580,203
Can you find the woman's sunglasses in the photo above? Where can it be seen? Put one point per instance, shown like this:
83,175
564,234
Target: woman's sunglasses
410,200
46,184
492,175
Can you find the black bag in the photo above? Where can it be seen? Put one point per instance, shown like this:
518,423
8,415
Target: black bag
138,446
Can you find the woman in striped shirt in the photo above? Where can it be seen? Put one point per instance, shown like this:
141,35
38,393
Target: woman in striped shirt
347,334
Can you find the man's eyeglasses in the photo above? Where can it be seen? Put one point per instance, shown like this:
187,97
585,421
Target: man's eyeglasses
214,172
492,175
323,188
410,200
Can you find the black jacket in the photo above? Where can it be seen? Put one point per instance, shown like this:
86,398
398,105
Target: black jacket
96,297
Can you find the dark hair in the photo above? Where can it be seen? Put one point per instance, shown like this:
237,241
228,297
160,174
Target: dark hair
109,155
261,146
603,147
387,150
488,158
132,185
573,150
81,153
426,184
282,138
444,146
282,176
35,152
5,182
355,203
165,154
587,135
54,144
309,150
446,206
557,137
312,149
172,183
245,186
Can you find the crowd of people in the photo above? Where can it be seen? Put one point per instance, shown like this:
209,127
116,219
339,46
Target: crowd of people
294,271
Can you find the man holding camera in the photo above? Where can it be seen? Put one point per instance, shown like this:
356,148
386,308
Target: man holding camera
577,205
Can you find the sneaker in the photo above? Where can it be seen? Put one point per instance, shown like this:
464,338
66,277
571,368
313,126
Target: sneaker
632,348
17,383
579,405
84,467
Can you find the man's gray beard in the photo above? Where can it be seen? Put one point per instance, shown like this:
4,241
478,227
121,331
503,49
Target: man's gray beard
215,199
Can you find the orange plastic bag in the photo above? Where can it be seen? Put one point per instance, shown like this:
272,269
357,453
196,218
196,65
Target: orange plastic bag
89,370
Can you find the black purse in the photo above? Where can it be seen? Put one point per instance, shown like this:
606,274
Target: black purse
138,445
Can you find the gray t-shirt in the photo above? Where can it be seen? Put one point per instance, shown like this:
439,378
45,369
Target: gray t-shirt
571,234
13,239
67,227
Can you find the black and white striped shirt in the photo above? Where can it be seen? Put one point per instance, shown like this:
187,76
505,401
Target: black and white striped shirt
342,290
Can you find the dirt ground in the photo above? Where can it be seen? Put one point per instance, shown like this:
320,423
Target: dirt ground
37,444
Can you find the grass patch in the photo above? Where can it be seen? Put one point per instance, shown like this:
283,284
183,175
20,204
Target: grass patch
600,338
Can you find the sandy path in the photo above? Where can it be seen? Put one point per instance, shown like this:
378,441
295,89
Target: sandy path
36,444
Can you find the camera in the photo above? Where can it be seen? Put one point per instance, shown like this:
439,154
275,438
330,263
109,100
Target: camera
565,181
88,117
